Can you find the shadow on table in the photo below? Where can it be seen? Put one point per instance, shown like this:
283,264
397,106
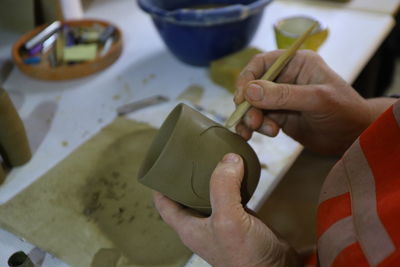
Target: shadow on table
38,123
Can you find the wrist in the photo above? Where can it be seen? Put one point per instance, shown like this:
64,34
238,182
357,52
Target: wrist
283,255
379,105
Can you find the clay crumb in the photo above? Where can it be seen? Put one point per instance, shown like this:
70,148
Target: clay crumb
64,143
117,97
264,166
152,76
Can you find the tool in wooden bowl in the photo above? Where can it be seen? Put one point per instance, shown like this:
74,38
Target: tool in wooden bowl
271,75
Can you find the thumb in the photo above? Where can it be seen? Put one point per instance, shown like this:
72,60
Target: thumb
275,96
225,184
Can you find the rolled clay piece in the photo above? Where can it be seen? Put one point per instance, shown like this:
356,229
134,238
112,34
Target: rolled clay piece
14,146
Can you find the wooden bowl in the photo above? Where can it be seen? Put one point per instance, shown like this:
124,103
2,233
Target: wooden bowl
44,71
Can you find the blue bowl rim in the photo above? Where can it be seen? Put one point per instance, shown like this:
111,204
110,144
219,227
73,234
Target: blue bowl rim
205,17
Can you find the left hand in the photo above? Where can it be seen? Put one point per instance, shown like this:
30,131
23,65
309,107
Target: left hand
230,236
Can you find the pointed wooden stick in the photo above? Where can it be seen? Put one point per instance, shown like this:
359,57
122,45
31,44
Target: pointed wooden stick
271,75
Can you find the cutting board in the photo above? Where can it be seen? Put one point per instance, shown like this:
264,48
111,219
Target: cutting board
89,210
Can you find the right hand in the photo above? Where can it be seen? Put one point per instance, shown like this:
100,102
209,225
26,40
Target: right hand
309,102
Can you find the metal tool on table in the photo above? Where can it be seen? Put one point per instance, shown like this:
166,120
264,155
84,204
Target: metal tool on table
270,75
157,99
143,103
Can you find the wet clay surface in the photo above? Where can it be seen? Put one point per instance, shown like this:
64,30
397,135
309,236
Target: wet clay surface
89,210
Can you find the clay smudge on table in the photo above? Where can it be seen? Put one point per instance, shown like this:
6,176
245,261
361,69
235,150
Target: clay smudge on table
264,166
64,143
148,78
58,98
116,97
193,93
127,87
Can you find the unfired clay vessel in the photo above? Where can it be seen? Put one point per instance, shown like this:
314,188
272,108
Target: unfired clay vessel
184,154
14,146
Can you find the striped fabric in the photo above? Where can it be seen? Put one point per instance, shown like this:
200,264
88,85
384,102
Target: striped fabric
359,208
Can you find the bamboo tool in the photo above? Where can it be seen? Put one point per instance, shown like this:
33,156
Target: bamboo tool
271,75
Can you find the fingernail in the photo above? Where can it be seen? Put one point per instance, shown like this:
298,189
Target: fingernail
255,92
247,119
238,130
267,129
235,98
233,158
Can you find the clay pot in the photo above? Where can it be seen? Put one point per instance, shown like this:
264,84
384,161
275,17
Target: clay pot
184,154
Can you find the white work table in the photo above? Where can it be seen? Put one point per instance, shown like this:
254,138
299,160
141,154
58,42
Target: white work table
78,109
390,7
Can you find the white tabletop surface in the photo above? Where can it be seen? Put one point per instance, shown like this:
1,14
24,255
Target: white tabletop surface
390,7
57,113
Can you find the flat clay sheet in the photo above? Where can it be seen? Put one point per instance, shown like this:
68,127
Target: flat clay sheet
89,210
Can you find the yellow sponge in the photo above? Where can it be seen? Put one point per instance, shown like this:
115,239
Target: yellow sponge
226,70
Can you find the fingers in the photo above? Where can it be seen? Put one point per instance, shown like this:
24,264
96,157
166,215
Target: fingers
306,67
265,124
244,131
172,213
273,96
253,118
225,184
269,127
254,70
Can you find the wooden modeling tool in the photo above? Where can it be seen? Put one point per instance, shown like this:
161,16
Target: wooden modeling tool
271,75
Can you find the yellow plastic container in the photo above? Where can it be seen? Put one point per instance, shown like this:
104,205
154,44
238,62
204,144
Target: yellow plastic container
289,29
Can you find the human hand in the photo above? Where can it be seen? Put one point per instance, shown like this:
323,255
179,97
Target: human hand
309,102
230,236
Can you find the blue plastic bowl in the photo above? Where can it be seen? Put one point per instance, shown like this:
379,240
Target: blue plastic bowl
198,36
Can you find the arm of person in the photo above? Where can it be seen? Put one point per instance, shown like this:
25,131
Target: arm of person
231,236
379,105
309,102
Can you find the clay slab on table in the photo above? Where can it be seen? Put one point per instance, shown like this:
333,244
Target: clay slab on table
90,207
